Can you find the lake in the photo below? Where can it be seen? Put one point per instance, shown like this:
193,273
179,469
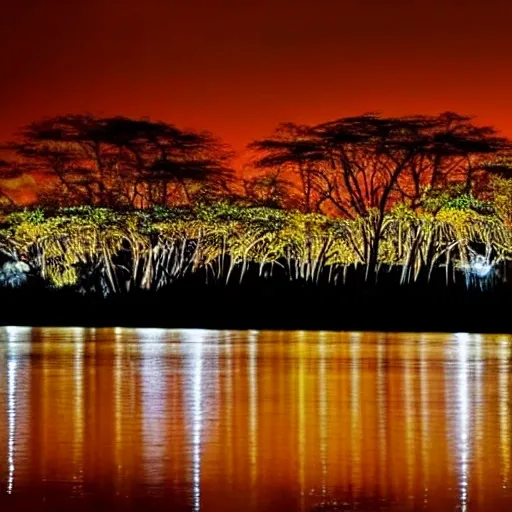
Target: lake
153,419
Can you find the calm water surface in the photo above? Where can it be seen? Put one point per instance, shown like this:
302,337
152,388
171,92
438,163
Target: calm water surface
150,419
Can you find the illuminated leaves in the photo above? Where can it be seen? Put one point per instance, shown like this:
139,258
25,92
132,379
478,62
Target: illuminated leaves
152,248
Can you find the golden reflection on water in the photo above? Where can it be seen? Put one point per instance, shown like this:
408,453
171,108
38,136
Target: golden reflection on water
208,420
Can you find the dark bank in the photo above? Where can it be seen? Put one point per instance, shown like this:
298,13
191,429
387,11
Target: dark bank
269,307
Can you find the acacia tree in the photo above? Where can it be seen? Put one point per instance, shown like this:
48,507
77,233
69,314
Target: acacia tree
189,166
120,161
453,151
362,166
293,154
271,190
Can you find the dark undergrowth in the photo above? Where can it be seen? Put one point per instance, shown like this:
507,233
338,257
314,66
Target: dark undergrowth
268,305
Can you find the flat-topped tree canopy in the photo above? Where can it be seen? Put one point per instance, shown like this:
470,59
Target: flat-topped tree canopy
118,161
355,164
364,165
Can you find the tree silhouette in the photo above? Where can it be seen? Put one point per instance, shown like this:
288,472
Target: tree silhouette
296,152
362,166
119,161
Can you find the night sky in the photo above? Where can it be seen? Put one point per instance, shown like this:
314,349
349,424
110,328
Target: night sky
238,67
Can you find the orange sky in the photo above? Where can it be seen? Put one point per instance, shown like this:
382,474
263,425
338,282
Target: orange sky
238,67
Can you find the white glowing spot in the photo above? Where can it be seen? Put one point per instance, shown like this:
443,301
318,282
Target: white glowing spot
150,335
197,335
13,273
480,266
16,333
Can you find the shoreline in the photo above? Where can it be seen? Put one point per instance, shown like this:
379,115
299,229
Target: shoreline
267,308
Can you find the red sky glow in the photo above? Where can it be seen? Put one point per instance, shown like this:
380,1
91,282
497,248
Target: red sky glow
238,68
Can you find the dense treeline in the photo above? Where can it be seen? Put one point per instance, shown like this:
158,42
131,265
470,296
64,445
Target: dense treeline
96,249
135,204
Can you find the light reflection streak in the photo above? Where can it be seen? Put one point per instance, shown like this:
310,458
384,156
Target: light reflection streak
194,340
463,340
14,336
382,410
355,409
425,423
229,408
504,409
11,418
302,420
253,406
45,399
409,412
322,403
152,346
78,428
16,333
118,376
198,364
479,411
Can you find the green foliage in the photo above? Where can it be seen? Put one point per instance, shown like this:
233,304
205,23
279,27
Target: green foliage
501,188
89,214
32,216
454,197
149,248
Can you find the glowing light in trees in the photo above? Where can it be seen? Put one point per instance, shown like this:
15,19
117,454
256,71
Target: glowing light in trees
480,266
13,274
